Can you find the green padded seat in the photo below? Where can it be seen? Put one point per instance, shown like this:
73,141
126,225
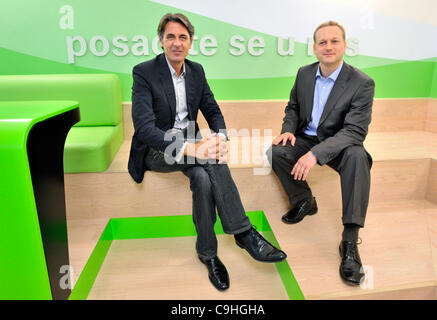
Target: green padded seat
85,154
93,142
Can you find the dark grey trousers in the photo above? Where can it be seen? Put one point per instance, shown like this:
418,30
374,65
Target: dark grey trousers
353,164
212,187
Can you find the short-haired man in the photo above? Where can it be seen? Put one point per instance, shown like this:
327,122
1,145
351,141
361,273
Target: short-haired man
167,94
326,121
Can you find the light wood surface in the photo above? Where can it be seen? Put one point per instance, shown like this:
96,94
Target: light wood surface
400,171
248,152
387,115
83,235
396,247
431,193
417,291
401,145
398,115
168,268
399,239
431,117
431,219
116,195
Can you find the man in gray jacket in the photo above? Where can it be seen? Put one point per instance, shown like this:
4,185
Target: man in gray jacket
326,121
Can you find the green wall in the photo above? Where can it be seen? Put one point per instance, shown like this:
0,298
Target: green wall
37,38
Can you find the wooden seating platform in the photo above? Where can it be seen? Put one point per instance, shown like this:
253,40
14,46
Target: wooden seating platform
399,241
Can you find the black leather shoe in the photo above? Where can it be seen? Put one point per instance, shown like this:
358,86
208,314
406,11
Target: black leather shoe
300,210
258,247
351,269
217,273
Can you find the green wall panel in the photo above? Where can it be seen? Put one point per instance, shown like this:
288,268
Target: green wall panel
411,79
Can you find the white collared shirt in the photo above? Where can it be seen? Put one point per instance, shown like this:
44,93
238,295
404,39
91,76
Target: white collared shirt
181,120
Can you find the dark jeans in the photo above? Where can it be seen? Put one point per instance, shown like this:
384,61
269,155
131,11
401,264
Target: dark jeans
353,164
212,187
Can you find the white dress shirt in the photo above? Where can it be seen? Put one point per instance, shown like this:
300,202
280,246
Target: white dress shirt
181,120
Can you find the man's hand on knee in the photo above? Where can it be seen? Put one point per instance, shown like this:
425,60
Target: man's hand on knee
223,149
287,136
212,147
303,166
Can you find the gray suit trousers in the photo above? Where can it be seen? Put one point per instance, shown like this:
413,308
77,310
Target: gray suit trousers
353,164
212,187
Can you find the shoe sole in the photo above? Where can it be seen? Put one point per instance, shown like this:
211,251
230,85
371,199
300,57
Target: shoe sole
311,213
269,261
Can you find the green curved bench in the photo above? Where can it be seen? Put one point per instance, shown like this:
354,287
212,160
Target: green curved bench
92,143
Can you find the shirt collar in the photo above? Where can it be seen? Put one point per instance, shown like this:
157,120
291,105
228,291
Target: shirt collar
173,71
333,75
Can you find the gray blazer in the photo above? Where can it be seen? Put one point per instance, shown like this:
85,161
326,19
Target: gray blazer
347,114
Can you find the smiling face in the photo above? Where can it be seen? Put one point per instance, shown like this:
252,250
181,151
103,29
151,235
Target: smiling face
176,43
329,46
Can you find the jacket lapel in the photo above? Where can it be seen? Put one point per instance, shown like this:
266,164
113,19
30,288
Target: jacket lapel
337,91
190,90
167,84
309,98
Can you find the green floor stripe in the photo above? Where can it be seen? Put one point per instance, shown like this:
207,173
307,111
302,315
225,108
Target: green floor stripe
153,227
168,226
291,286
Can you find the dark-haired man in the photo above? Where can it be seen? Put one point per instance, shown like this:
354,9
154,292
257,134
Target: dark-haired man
326,121
167,94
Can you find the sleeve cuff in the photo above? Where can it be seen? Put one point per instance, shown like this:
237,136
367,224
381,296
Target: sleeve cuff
223,135
180,154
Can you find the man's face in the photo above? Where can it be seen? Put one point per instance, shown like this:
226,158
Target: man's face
329,46
176,42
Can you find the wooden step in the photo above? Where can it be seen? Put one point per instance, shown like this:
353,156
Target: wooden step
117,195
398,250
401,170
400,238
387,115
92,200
248,151
398,244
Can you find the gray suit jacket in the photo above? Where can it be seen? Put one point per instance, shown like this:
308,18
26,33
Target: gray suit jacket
347,114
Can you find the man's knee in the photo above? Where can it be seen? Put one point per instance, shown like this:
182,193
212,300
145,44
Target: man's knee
275,153
199,178
356,154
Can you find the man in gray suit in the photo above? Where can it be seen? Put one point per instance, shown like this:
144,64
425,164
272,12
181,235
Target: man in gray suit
326,121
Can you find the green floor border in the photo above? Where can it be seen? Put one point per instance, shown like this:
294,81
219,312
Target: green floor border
168,226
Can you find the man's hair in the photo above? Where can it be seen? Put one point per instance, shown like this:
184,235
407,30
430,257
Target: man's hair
175,17
330,23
